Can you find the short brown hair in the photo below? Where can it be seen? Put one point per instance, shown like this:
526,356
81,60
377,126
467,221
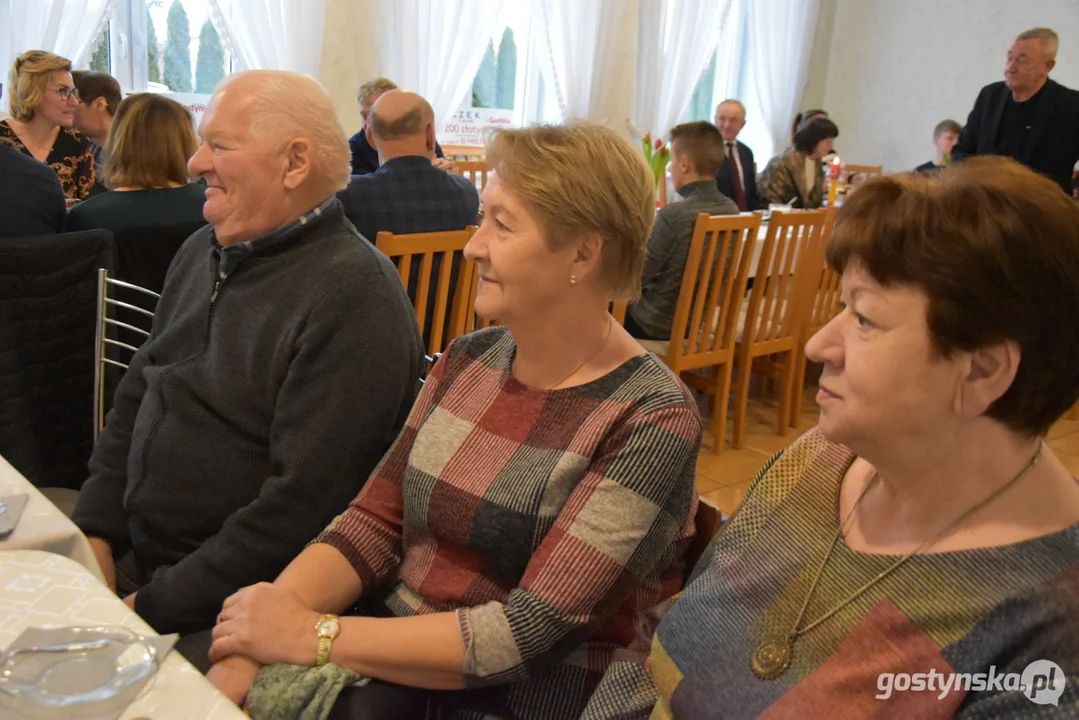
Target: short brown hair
579,178
946,126
812,131
29,81
378,85
1045,36
94,85
151,138
995,247
702,142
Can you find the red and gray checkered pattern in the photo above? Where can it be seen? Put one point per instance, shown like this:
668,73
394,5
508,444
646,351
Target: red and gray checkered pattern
547,520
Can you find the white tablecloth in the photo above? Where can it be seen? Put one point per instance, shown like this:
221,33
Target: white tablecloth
39,589
42,526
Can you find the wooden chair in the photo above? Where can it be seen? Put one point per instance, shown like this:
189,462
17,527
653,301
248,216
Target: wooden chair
618,311
825,306
706,317
464,152
426,246
476,171
857,174
771,323
708,520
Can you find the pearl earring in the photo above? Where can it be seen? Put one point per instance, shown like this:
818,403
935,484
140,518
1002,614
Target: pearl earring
572,279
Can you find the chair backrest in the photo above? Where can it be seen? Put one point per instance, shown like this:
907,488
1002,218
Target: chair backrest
134,327
476,171
826,287
143,254
464,152
618,311
789,255
437,253
708,522
713,283
47,295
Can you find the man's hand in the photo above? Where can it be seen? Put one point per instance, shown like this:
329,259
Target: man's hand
234,677
130,600
446,164
103,555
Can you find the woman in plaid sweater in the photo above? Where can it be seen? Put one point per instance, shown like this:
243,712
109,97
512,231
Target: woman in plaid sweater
541,494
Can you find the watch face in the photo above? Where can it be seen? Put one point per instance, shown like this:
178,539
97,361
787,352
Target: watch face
328,627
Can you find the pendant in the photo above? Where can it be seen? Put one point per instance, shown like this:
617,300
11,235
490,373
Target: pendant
772,658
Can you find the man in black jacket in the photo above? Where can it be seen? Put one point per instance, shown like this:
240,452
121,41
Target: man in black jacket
31,199
737,175
1027,116
283,361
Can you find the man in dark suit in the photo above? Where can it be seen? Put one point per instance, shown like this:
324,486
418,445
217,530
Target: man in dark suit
736,177
407,194
31,199
364,154
1027,116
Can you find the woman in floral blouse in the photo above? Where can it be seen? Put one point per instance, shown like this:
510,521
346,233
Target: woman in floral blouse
43,102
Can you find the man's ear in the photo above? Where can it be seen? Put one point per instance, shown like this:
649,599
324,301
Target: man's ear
299,156
100,104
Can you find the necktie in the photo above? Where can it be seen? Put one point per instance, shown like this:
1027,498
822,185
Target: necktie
739,193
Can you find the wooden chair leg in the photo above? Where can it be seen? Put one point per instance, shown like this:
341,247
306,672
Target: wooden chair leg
720,402
744,370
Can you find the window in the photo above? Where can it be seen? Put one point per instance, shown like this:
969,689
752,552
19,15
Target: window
722,77
498,90
167,46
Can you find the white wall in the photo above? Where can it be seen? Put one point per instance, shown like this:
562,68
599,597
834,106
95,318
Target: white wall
897,67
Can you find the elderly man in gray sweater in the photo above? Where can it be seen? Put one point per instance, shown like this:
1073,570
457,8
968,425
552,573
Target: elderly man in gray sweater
696,154
284,358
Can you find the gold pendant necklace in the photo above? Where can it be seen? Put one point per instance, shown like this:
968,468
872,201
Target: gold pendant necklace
773,656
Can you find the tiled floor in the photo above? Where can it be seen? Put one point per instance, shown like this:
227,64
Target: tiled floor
723,479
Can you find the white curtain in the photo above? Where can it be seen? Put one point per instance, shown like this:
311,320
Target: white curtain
574,46
65,27
272,34
676,41
779,34
434,47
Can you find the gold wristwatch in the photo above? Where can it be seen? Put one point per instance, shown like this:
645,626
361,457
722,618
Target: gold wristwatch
328,627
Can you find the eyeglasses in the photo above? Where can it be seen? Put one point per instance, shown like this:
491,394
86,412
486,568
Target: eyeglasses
66,93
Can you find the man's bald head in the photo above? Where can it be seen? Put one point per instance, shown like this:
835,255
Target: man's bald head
285,106
399,113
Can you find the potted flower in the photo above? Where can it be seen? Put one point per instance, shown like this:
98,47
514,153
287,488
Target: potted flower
657,156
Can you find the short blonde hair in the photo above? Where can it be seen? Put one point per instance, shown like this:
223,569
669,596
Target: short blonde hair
579,178
150,141
289,105
29,81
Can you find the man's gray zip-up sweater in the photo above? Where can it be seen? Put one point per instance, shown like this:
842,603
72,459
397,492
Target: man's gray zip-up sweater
277,374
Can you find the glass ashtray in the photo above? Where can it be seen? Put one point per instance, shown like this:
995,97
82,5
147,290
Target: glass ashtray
75,672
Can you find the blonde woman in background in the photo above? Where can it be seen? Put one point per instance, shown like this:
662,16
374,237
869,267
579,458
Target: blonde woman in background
42,106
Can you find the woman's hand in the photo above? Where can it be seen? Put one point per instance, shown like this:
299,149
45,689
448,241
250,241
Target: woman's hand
234,677
268,624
